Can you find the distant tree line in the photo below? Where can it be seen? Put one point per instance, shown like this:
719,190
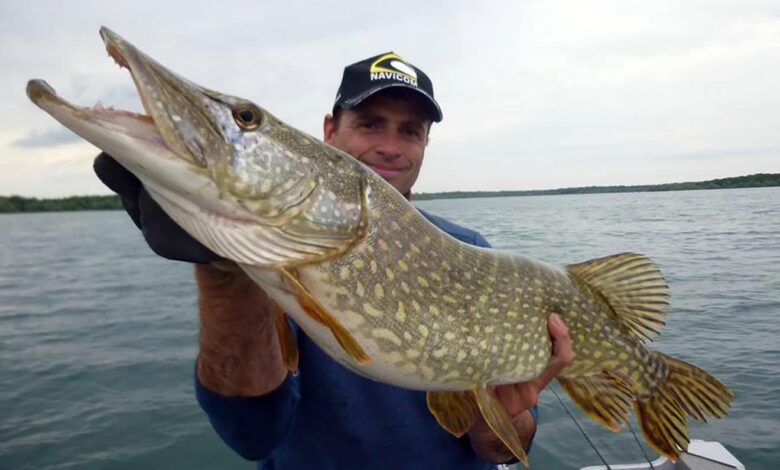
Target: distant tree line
73,203
750,181
99,203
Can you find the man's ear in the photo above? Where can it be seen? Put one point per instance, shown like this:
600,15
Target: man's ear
328,128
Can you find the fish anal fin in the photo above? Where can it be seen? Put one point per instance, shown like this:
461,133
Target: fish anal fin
605,397
287,342
316,311
687,390
455,411
634,288
499,421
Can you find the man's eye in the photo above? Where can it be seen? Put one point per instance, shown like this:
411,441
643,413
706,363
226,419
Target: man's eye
414,133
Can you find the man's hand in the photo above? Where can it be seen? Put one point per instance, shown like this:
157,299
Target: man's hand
518,398
239,347
161,233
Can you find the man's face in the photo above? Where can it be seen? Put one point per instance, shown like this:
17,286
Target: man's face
387,133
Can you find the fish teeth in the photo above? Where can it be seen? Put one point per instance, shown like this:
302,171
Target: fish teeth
100,107
118,59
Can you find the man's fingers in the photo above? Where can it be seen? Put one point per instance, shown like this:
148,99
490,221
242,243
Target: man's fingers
556,327
166,238
548,374
121,181
521,396
563,351
116,177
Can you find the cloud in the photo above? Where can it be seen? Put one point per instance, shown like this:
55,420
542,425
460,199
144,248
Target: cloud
723,154
49,138
535,94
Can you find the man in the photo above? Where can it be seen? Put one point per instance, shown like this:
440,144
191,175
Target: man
326,416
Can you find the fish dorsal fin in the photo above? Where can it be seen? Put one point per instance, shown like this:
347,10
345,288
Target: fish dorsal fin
633,286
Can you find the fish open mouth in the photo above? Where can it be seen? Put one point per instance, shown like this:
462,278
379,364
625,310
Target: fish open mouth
140,126
136,125
120,50
167,99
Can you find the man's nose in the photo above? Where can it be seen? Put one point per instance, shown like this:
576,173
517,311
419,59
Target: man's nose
389,145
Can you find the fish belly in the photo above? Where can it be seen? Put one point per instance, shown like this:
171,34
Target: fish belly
383,367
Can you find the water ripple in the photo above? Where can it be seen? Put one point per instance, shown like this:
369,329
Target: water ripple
98,336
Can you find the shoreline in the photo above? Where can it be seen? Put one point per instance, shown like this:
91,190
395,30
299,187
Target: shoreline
758,180
20,204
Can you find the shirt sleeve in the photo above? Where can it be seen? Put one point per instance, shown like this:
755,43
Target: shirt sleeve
479,240
252,426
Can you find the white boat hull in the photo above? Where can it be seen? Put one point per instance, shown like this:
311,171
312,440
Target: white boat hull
701,455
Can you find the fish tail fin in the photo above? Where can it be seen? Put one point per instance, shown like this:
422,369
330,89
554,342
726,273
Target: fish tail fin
687,390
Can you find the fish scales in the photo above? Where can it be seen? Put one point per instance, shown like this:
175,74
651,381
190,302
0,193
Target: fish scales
491,330
377,286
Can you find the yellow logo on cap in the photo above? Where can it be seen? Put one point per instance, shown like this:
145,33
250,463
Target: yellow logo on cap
393,66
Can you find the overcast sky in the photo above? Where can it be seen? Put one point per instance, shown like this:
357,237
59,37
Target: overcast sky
535,94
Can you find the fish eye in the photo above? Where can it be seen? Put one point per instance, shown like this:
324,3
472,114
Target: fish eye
247,117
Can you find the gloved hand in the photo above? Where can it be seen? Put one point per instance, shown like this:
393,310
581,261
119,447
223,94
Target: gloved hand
162,234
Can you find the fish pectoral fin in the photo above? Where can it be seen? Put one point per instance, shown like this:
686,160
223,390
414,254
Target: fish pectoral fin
455,411
316,311
633,286
605,397
687,390
287,341
499,421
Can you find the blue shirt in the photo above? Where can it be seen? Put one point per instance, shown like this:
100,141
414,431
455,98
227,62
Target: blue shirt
327,417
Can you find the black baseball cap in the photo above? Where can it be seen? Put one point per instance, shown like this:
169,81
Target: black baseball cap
363,79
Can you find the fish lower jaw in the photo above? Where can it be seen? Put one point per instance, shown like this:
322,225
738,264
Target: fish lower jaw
96,123
138,126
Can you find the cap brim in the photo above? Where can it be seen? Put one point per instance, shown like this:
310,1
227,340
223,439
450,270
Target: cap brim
433,107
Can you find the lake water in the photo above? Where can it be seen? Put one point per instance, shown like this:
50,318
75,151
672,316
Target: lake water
98,336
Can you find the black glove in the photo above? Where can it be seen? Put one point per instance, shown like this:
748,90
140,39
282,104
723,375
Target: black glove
162,234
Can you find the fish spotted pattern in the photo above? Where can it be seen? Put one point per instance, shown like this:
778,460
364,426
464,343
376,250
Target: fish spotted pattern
375,284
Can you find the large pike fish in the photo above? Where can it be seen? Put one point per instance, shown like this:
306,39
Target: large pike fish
378,287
